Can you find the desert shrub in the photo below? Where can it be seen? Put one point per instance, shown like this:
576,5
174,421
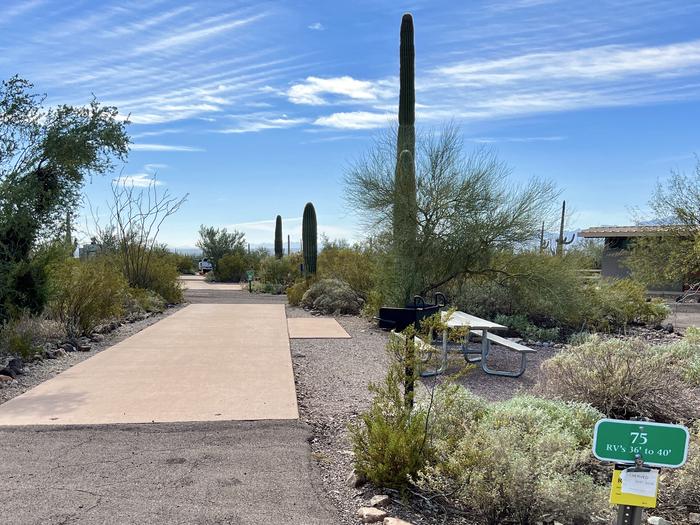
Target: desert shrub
282,271
354,265
517,461
617,303
692,334
296,292
139,299
82,294
271,288
332,296
389,440
679,492
231,267
551,292
185,264
25,335
621,378
162,278
527,330
579,338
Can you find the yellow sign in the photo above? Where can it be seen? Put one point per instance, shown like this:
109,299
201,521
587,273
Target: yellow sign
640,488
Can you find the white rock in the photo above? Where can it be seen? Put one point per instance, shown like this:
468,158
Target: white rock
355,480
694,517
380,500
657,520
370,514
395,521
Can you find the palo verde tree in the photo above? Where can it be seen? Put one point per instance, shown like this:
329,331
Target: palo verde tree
467,209
45,156
215,242
672,256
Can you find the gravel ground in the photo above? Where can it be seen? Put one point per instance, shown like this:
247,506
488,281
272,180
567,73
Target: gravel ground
38,372
332,376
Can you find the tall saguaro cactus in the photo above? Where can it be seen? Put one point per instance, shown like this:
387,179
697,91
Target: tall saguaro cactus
309,239
405,209
563,240
407,91
279,245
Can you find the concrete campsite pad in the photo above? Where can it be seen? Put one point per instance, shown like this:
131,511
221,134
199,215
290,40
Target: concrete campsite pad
206,362
197,282
315,328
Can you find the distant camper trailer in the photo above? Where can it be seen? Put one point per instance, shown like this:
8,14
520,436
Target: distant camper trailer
205,266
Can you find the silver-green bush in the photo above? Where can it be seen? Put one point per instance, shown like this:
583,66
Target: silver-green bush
517,461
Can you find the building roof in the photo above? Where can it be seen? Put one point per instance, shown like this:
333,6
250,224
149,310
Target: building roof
626,231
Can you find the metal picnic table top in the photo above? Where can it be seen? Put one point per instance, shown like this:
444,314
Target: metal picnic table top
474,323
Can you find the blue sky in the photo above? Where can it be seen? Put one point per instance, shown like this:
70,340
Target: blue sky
255,108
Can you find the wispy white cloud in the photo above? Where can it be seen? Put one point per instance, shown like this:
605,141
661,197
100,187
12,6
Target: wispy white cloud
603,63
355,120
163,147
311,91
144,179
194,32
317,26
263,231
254,123
494,140
138,180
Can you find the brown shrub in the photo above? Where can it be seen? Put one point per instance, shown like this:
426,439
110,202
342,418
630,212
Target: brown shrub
621,378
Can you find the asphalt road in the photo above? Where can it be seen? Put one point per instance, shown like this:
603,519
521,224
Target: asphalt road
171,473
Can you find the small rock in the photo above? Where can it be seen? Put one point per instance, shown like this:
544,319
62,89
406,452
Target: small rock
371,515
97,338
395,521
68,347
694,517
380,500
669,329
84,348
8,372
356,480
60,352
16,364
657,520
5,380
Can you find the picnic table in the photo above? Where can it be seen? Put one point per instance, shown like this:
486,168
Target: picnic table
485,330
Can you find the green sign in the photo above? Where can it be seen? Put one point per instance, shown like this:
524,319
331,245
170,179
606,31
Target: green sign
250,274
659,445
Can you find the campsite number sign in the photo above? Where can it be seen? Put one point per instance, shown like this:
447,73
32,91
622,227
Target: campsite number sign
658,444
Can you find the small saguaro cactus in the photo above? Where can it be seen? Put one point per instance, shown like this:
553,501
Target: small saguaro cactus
279,246
563,240
309,239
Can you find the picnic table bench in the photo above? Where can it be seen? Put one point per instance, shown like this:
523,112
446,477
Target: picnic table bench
483,329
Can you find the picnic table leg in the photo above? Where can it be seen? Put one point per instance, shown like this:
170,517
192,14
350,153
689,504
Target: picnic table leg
443,365
484,350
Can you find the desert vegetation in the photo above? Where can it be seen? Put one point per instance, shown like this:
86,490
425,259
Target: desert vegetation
46,294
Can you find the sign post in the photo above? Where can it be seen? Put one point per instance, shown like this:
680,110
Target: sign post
635,446
249,276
